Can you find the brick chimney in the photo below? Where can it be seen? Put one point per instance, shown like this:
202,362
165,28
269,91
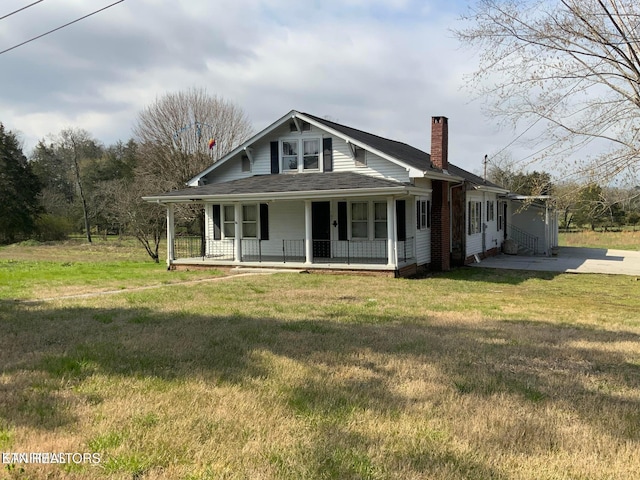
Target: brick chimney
440,205
440,142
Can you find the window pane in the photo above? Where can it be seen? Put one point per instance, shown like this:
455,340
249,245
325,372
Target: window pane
249,213
359,211
359,230
380,211
229,213
249,230
291,163
381,229
290,148
229,229
311,147
311,162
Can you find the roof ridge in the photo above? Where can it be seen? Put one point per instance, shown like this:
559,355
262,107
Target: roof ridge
324,120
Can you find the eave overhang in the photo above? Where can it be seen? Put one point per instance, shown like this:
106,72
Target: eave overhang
400,190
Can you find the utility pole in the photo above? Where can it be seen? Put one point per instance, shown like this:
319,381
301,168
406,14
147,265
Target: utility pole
486,160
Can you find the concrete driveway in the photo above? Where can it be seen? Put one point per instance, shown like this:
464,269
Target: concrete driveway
572,260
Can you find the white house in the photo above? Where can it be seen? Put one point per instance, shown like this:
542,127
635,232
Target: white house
309,193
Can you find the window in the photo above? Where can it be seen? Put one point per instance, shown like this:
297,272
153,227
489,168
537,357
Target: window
360,220
475,217
229,221
423,214
380,220
490,210
246,164
290,155
360,157
249,221
301,155
500,216
311,154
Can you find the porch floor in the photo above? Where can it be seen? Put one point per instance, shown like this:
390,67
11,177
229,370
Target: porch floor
295,263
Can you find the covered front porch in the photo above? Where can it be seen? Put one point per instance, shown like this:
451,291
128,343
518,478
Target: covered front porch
337,221
338,234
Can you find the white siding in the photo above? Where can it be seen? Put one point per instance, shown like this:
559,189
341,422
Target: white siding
342,160
376,166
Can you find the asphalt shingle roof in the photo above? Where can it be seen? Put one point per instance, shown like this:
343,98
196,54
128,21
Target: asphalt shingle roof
280,183
406,153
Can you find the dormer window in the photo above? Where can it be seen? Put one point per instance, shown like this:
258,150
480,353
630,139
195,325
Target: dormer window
300,155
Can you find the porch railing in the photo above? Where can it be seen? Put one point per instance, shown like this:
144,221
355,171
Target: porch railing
524,239
406,249
293,251
188,247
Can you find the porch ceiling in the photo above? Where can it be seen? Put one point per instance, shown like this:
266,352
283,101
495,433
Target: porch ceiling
289,187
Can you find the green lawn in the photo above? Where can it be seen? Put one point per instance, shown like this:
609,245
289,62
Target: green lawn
472,374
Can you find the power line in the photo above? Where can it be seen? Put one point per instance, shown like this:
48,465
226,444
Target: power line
20,9
60,27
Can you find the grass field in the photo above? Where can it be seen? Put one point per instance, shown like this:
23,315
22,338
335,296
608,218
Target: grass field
472,374
624,240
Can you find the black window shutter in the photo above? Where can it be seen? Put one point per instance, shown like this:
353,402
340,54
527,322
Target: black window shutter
327,154
428,214
418,204
264,221
401,218
216,222
342,220
275,158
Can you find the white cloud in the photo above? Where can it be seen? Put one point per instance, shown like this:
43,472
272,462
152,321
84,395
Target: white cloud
377,65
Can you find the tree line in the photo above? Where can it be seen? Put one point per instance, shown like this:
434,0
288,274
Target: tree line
580,205
72,183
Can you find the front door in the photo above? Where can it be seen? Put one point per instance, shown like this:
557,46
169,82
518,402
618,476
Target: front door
321,229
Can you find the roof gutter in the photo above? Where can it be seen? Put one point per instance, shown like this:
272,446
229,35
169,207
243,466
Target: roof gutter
299,195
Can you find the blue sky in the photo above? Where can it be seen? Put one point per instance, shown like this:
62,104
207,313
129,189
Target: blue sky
384,66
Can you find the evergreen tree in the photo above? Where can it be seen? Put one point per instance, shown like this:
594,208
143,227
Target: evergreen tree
19,189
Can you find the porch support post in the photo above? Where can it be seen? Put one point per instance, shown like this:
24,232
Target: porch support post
170,234
391,232
308,233
238,233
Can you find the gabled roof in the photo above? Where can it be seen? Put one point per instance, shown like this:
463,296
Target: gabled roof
405,153
397,152
290,186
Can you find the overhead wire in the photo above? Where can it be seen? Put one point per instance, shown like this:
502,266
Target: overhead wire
60,27
20,9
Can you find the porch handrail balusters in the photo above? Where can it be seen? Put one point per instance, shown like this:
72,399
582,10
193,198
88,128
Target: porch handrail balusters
525,239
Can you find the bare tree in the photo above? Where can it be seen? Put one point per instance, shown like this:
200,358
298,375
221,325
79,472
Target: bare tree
571,68
175,134
73,150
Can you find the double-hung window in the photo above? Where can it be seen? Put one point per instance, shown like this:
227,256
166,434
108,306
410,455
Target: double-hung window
360,220
229,221
250,221
290,155
368,220
300,154
490,210
423,214
475,217
380,220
